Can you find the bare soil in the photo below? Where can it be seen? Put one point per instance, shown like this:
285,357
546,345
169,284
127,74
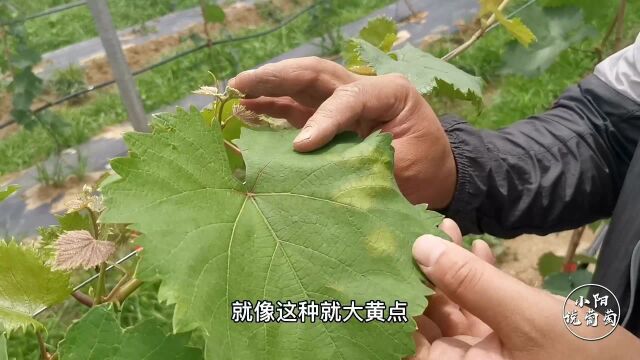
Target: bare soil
520,258
5,116
58,196
5,105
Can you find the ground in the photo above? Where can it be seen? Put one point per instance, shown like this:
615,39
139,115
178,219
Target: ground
520,257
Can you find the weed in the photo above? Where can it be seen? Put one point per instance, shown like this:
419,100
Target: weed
68,81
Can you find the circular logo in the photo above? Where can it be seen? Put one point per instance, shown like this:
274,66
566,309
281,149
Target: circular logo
591,312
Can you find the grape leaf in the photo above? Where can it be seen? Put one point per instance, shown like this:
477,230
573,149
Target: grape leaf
50,234
380,32
557,29
75,221
27,285
563,283
79,250
517,29
514,26
549,263
427,73
213,13
4,194
98,336
326,225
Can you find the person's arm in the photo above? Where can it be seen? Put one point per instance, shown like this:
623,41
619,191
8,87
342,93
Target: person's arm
554,171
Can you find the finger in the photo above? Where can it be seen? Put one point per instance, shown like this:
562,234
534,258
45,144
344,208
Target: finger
477,286
427,328
422,347
448,348
471,340
482,250
446,315
489,348
308,80
360,106
282,108
451,228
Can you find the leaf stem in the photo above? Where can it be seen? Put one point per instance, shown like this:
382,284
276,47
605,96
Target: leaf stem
231,146
100,286
120,283
121,293
205,24
94,221
44,355
82,298
223,101
476,36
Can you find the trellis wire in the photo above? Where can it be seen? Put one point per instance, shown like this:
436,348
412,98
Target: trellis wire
92,278
48,12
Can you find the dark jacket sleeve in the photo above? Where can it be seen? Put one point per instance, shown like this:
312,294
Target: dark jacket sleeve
550,172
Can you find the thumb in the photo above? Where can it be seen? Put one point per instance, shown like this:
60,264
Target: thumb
477,286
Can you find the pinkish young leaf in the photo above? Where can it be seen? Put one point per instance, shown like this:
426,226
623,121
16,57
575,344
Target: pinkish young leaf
78,249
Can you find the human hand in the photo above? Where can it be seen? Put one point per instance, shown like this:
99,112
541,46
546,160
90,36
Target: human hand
325,99
479,312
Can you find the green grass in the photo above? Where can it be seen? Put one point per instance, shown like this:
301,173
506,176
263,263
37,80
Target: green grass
67,81
168,84
74,25
513,97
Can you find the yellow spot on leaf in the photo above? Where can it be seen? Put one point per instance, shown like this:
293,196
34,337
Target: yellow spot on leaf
381,243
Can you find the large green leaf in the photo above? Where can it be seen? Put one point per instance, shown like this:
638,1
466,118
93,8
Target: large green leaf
556,30
98,336
427,72
27,285
325,225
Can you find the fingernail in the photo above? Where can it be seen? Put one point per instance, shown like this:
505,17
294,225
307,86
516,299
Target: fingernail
428,249
304,135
